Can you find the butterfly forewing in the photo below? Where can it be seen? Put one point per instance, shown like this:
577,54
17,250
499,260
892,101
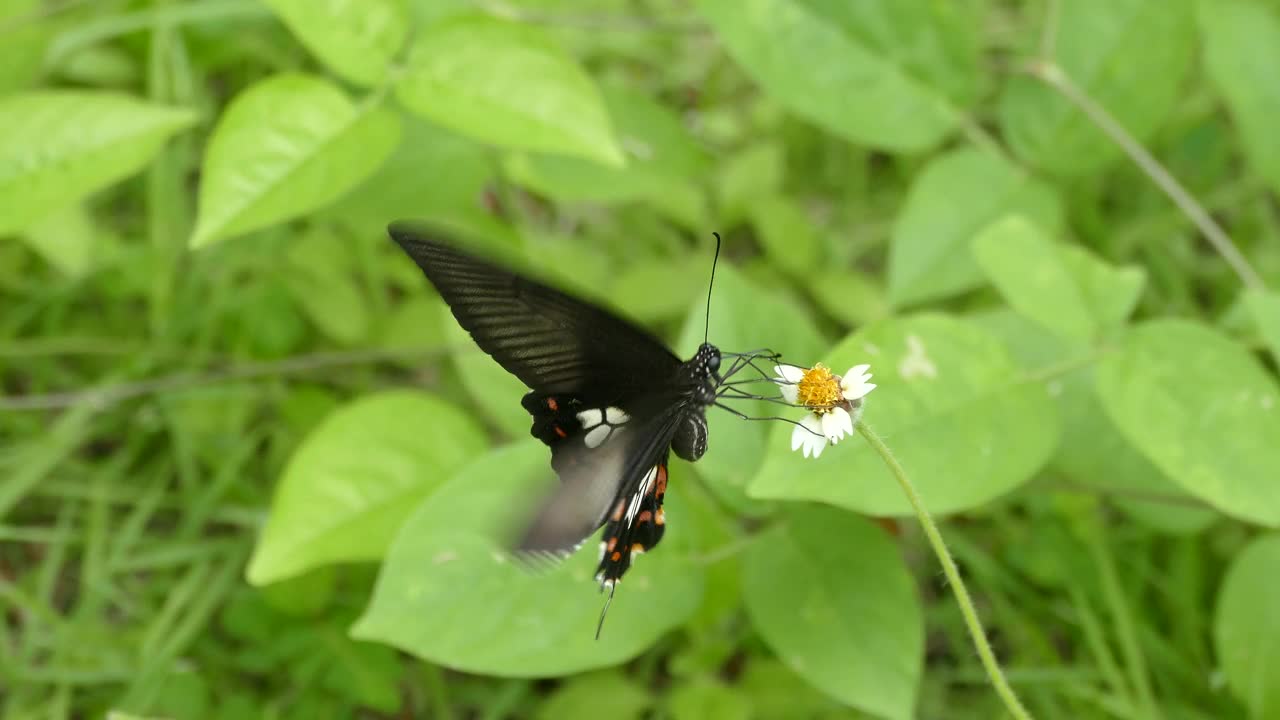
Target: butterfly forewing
551,341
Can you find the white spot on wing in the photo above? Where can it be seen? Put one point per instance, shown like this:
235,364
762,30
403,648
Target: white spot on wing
597,435
643,490
615,416
591,418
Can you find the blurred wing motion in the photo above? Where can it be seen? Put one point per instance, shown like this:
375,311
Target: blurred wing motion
604,397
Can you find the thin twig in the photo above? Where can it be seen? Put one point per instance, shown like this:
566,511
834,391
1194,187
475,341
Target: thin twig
979,636
1053,76
107,395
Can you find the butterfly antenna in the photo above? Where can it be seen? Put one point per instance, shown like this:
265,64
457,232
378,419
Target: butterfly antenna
706,333
605,610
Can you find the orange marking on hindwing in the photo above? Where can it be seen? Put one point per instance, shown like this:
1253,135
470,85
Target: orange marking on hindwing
616,556
613,542
637,547
661,517
560,431
552,405
660,487
617,512
644,517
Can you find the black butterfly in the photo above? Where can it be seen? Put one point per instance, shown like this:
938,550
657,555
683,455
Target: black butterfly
609,398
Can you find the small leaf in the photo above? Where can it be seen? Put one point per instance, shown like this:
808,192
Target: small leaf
857,635
891,75
604,694
285,147
1264,306
57,146
356,477
1062,287
1129,56
356,38
1242,52
707,700
745,316
951,200
1200,408
949,402
509,85
1246,626
449,592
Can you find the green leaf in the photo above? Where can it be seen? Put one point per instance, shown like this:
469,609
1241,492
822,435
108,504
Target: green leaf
787,235
890,75
356,477
1129,56
1264,306
1092,451
745,316
951,201
604,694
951,405
659,150
1063,288
748,176
829,593
508,85
66,239
57,146
1246,626
1200,408
356,38
1242,52
450,593
285,147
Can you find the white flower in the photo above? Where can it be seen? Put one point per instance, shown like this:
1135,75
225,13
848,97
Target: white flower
833,401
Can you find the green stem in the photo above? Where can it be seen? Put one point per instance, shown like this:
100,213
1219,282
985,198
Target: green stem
988,657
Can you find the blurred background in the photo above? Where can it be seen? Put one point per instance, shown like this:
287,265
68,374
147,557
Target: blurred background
250,467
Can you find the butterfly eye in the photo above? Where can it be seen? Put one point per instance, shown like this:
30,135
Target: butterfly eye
713,362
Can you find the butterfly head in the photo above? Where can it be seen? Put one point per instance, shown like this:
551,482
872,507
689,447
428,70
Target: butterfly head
703,371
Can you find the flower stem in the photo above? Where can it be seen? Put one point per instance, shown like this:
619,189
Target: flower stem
988,657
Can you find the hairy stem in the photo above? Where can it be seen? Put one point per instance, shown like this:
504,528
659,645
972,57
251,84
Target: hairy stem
987,656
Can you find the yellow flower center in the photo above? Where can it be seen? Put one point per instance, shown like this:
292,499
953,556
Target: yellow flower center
819,389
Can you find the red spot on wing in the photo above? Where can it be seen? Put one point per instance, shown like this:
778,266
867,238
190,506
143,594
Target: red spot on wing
560,431
552,405
660,487
616,556
617,512
644,517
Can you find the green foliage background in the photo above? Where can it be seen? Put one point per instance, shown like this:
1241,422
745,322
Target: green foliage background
249,467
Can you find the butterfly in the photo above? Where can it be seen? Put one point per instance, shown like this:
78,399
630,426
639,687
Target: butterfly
606,396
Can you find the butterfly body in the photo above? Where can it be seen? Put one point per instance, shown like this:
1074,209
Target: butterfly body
608,398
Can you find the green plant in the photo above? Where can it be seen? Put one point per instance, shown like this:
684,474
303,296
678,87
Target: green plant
250,466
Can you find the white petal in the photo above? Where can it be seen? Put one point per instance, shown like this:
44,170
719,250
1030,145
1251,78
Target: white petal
817,445
845,419
809,435
798,436
857,388
788,392
830,426
790,373
858,370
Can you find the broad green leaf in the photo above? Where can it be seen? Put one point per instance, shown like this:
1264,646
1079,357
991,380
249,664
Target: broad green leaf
1242,52
285,147
891,75
952,406
1129,56
858,634
509,85
955,197
1092,451
659,150
449,592
1264,306
748,177
356,477
1203,410
851,296
1246,627
787,235
661,288
745,317
357,39
1062,287
57,146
